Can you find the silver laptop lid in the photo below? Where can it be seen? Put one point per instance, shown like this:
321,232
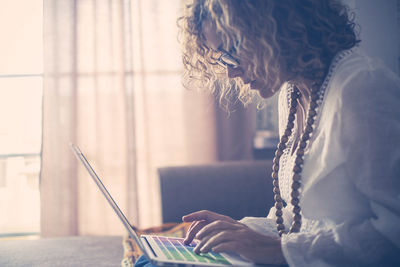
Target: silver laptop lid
109,198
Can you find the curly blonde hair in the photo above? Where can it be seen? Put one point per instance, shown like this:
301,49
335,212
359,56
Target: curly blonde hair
283,40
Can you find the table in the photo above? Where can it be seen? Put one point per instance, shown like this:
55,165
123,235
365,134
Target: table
65,251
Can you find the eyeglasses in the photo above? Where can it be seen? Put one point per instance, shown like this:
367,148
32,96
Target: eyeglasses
227,60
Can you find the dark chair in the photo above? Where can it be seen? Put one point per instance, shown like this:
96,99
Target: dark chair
236,189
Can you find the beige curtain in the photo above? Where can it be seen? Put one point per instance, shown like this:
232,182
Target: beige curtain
112,86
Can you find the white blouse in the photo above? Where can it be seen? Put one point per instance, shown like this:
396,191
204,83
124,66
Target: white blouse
350,194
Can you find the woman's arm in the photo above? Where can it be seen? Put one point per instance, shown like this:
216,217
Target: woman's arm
359,196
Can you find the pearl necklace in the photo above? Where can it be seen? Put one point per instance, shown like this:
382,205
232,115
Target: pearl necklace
316,97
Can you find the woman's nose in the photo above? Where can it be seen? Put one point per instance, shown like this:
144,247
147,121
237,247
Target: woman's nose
234,72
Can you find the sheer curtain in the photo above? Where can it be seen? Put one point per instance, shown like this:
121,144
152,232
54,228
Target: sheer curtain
112,86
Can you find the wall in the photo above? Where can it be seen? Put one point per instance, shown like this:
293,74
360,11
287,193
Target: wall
379,33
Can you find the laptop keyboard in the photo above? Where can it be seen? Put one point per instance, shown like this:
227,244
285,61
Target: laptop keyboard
174,249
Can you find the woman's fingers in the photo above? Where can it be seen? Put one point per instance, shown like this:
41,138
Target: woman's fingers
206,222
220,238
199,220
203,215
195,227
214,231
200,226
217,226
203,241
193,224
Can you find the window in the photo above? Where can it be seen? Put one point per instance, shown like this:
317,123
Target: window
21,78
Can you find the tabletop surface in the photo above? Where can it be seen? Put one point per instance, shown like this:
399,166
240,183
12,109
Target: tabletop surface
65,251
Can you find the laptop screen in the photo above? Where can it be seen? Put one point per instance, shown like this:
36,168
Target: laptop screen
96,179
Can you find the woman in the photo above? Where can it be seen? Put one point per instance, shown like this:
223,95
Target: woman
336,171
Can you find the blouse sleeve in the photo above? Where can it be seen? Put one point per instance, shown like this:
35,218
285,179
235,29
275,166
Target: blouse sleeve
367,130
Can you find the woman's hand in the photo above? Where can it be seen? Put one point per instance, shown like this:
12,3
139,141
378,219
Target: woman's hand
200,219
221,233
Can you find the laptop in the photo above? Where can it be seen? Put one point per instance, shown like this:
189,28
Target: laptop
160,250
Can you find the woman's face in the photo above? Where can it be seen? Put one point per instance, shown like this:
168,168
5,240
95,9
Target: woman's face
214,41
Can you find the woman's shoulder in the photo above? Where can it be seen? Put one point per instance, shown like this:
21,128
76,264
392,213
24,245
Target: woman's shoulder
354,63
359,78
